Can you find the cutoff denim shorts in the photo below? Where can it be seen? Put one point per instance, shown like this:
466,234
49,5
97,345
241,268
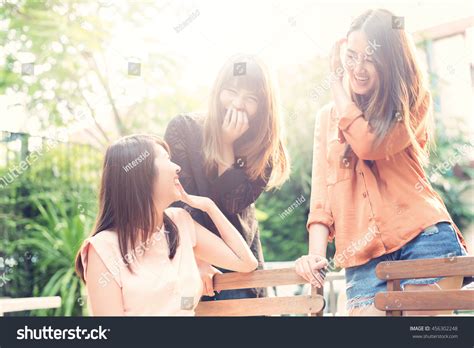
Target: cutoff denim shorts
436,241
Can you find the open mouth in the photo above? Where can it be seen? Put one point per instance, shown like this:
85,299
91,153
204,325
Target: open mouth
176,182
361,78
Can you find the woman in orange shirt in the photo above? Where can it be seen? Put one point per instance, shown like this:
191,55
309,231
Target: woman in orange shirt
140,257
369,189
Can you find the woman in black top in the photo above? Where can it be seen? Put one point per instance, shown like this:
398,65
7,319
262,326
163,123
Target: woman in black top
232,154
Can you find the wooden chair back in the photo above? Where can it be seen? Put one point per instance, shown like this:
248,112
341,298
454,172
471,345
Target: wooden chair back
304,304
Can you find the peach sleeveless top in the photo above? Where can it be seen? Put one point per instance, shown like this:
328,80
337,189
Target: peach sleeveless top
159,286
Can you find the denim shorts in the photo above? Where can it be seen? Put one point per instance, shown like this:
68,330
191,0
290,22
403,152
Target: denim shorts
230,295
436,241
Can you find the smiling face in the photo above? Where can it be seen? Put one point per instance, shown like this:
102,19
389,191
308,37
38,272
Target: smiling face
240,99
360,67
167,184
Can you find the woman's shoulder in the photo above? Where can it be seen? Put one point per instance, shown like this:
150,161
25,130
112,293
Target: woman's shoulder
105,236
172,212
184,130
106,246
104,240
187,120
177,214
183,221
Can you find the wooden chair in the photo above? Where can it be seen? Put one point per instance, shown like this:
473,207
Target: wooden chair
304,304
395,301
28,303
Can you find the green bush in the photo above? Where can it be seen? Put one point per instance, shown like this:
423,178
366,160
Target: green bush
44,215
54,238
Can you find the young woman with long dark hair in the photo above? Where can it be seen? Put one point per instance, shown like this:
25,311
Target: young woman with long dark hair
232,153
140,257
370,147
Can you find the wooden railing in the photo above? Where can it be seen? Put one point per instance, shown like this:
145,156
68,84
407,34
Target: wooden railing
304,304
394,301
28,303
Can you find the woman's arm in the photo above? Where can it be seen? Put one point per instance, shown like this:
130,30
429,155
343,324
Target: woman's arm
231,250
310,266
207,273
319,207
318,239
358,133
320,216
105,297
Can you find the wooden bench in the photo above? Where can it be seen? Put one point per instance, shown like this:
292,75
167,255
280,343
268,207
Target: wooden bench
394,301
304,304
28,303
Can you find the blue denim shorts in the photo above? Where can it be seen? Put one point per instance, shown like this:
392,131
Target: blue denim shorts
436,241
230,295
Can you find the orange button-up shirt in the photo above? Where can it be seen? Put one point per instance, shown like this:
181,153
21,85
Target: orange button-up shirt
371,207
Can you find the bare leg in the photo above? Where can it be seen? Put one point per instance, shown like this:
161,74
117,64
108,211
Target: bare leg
366,311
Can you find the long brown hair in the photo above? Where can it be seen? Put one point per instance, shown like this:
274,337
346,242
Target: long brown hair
262,145
126,201
402,94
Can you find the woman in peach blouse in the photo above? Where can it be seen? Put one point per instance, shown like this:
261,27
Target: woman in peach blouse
369,188
140,258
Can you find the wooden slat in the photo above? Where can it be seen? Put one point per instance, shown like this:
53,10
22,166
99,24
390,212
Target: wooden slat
257,279
315,292
426,268
425,300
29,303
261,306
394,285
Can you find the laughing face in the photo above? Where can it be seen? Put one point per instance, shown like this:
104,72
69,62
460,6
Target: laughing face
168,186
360,67
240,99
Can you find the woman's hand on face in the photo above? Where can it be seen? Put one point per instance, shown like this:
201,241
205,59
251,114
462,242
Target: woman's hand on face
235,124
198,202
312,268
335,61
